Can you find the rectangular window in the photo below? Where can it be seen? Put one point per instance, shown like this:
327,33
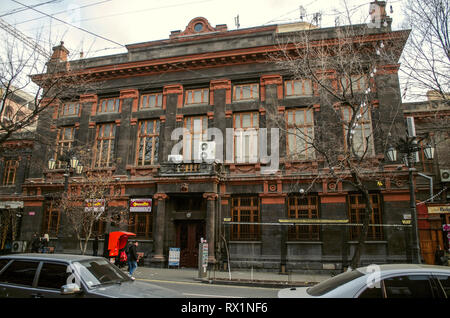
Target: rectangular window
153,100
53,276
357,212
20,273
304,208
362,136
148,142
245,210
69,109
104,145
300,133
357,83
140,223
9,173
246,92
197,96
50,224
195,132
66,138
109,105
301,88
246,126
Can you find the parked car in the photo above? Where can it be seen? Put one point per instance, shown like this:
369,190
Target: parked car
380,281
63,275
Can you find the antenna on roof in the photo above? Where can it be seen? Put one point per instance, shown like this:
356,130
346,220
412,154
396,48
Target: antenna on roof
236,21
302,13
317,18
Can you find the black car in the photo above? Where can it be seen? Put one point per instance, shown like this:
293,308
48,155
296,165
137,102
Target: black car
77,276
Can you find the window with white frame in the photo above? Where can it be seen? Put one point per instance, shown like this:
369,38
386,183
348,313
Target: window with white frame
148,142
197,96
195,132
361,132
108,105
153,100
246,92
300,133
358,83
69,109
66,138
246,127
104,145
298,88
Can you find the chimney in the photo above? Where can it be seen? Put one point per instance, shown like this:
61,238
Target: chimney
378,17
60,53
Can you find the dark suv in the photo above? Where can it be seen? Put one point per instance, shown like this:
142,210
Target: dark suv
63,275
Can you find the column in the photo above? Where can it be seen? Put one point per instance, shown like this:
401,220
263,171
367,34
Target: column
210,224
158,238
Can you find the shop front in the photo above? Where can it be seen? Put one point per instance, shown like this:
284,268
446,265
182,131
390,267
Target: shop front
434,225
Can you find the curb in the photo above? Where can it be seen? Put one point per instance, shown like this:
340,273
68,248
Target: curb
255,283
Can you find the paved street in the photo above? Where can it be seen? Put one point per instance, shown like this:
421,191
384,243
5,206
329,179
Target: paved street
243,283
204,290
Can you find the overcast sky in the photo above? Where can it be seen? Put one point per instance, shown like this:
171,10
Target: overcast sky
102,27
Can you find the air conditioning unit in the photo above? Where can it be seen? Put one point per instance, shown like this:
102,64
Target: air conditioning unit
18,246
445,175
175,158
207,151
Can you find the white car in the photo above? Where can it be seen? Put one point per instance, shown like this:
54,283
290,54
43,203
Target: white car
380,281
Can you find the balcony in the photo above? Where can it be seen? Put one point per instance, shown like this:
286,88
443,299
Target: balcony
189,169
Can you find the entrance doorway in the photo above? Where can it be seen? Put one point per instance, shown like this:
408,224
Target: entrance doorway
189,234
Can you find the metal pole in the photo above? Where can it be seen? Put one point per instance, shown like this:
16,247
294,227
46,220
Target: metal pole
415,231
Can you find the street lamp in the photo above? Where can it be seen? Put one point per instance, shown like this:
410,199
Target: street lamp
408,147
71,163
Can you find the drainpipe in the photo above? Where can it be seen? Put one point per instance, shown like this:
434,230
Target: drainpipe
431,184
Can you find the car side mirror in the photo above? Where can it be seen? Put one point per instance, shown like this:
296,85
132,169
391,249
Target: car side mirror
70,289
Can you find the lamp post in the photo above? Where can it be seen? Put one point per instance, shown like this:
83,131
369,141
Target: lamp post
408,147
72,164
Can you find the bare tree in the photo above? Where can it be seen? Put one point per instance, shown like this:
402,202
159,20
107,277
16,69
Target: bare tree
426,60
23,96
337,72
87,202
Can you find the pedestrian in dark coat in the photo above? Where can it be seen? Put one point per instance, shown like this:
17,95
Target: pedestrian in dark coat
132,258
35,243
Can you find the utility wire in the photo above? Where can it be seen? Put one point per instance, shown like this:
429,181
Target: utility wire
81,29
59,12
17,10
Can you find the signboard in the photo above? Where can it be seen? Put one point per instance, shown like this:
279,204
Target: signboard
95,205
174,256
141,205
439,209
202,259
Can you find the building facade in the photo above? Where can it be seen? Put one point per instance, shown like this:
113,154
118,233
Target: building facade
431,120
163,105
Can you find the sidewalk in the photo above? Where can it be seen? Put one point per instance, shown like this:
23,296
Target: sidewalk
237,277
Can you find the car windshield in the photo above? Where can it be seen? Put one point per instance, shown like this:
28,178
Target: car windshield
97,272
330,284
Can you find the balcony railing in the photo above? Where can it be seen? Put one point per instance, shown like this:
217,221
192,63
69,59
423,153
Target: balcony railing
177,169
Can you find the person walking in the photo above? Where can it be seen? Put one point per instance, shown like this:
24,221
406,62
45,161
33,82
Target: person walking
44,243
132,258
35,243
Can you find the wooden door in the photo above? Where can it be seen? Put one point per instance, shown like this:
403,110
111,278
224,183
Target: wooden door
189,234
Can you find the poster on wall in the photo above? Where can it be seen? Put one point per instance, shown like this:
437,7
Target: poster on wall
141,205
